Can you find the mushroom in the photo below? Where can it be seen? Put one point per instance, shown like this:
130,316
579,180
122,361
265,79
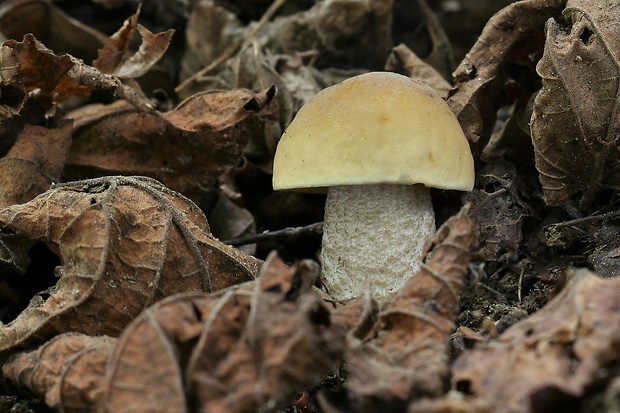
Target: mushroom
376,142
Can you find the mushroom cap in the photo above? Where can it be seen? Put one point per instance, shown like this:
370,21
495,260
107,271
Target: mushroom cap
379,127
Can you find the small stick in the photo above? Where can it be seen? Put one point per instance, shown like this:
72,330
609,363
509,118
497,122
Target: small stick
286,234
232,49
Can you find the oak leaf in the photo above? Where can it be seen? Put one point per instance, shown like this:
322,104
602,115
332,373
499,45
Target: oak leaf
124,244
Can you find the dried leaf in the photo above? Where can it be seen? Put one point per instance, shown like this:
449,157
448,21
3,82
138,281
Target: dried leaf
482,76
124,243
54,28
499,215
117,59
404,60
251,346
29,65
238,350
405,354
575,121
229,220
346,33
68,371
211,29
440,56
186,149
552,356
34,163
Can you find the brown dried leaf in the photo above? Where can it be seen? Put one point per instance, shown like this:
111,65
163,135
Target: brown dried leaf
404,60
211,30
53,27
482,76
234,351
186,149
575,121
440,56
345,33
29,65
67,371
229,220
405,354
553,355
499,215
117,58
34,163
124,243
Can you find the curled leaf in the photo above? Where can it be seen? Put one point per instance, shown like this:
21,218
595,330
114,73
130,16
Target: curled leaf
124,243
250,347
482,76
552,356
234,351
34,163
68,371
51,26
405,352
117,59
29,65
186,149
404,60
575,120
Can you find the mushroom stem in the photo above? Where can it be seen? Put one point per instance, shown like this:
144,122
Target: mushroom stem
375,232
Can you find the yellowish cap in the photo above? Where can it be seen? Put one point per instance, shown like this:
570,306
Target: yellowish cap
379,127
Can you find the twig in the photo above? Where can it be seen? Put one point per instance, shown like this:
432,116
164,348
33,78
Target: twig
606,215
283,235
232,49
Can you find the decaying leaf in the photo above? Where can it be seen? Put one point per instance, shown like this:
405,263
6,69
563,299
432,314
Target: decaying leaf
29,65
124,243
243,349
118,60
68,371
52,27
34,163
404,60
575,121
186,149
405,352
252,345
482,76
499,214
440,56
345,33
551,357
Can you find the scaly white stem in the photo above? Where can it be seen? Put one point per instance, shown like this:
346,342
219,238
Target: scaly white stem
374,232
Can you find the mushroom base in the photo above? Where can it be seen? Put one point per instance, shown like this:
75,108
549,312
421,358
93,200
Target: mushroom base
374,234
